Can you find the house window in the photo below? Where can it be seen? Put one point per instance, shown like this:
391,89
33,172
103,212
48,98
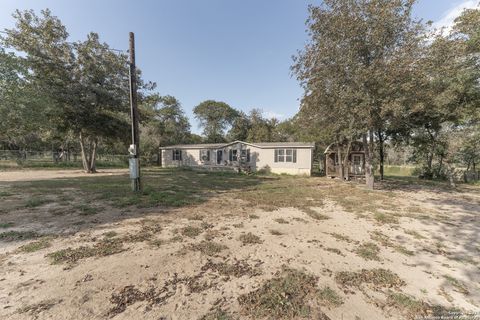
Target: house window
177,154
233,155
245,155
286,155
205,155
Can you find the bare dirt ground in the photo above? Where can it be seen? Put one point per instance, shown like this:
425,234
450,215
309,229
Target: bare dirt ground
32,175
223,246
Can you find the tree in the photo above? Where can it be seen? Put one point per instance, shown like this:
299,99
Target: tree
86,81
167,124
215,117
240,127
18,105
359,55
261,129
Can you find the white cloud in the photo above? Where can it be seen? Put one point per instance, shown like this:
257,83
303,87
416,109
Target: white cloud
447,20
272,114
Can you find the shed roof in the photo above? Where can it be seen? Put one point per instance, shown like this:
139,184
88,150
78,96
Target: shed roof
263,145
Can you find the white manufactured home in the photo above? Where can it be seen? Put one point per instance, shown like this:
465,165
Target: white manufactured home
277,157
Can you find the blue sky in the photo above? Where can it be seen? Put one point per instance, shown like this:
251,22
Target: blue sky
234,51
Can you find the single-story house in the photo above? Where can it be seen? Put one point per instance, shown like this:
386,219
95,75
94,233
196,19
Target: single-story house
353,168
277,157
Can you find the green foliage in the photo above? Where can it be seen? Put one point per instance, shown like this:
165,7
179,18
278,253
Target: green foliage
83,85
358,69
215,117
167,125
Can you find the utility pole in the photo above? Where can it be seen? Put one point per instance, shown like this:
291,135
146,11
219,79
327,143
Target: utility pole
134,161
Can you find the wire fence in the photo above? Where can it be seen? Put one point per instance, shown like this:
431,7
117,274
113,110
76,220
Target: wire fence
28,158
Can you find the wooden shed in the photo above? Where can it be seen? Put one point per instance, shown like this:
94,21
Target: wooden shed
354,167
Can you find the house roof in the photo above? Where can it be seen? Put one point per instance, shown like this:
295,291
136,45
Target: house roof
262,145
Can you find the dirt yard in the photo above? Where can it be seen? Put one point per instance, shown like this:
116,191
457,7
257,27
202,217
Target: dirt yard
199,245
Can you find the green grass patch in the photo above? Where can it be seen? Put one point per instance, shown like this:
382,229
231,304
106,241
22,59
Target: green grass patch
86,210
384,218
35,246
110,234
411,308
415,234
329,297
6,225
10,236
368,251
37,202
4,194
399,171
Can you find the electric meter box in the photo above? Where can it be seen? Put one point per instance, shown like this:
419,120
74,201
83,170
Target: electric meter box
133,166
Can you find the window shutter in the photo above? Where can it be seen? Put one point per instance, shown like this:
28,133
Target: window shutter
276,155
180,154
208,155
294,155
230,155
248,155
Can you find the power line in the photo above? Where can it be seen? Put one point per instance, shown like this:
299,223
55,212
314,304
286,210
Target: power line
73,43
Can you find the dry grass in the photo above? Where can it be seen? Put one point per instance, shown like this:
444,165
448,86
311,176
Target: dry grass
209,248
217,314
100,249
342,237
386,242
250,238
288,295
281,221
237,269
35,309
191,231
376,278
412,309
275,232
457,284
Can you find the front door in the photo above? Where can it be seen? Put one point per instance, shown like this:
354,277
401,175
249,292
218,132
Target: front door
219,156
357,164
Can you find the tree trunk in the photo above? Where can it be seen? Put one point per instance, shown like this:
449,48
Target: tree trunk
451,175
346,169
88,156
369,178
381,152
340,163
93,157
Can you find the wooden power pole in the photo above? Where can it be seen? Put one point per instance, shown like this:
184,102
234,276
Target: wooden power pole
134,162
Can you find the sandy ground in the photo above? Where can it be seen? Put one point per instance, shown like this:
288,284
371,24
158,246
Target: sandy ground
444,247
32,175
